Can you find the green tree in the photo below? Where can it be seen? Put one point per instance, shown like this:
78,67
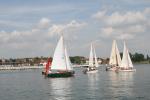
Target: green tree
147,58
138,57
77,59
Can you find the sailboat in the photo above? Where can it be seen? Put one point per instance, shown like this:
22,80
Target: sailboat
61,64
93,63
126,63
115,59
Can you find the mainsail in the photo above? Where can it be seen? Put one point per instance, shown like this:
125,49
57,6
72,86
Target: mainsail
61,60
115,58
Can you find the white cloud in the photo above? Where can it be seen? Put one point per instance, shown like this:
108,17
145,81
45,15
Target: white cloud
99,15
44,23
71,27
121,32
38,36
108,31
135,29
38,32
123,25
125,36
127,18
147,11
118,18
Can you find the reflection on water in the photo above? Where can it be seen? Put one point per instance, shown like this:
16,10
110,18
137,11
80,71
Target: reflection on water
92,85
92,79
60,88
31,85
121,84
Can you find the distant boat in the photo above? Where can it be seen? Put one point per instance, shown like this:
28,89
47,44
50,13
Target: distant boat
126,63
93,63
115,59
61,65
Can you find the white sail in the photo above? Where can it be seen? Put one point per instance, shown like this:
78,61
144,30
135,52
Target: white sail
126,60
130,62
59,61
118,56
112,55
91,57
115,58
68,62
95,58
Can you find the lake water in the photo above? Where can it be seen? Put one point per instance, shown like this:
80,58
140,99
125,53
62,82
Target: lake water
31,85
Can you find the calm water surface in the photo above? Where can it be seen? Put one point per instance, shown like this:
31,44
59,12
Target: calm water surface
31,85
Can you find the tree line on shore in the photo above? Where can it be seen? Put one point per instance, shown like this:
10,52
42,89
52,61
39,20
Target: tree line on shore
136,58
139,58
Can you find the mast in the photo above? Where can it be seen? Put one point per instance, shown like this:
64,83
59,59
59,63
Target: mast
95,58
65,53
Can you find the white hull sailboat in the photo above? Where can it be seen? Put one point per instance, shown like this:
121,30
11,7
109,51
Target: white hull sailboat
61,65
126,63
93,63
92,71
115,59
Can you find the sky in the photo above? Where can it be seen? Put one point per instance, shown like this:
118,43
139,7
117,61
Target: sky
30,28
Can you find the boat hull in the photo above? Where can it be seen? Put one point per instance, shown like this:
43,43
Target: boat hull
93,71
61,75
111,68
126,70
43,73
90,71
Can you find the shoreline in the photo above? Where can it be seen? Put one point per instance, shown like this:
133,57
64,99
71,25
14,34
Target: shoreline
20,68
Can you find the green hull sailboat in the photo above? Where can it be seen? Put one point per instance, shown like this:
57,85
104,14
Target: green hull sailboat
61,65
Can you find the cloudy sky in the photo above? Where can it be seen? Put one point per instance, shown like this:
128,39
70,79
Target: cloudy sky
31,28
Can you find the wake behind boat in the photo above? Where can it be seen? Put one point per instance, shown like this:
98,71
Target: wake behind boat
93,63
115,59
61,65
126,63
